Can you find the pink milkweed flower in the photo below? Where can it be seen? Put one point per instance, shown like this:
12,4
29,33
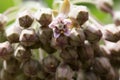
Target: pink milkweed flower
60,25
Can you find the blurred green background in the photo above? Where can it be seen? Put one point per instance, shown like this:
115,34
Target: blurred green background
99,15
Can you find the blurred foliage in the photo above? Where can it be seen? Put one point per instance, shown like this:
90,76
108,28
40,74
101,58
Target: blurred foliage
5,4
49,3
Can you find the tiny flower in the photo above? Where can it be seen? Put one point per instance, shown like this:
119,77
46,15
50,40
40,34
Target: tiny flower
60,25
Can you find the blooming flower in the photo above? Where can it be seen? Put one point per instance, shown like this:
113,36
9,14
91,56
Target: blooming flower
61,23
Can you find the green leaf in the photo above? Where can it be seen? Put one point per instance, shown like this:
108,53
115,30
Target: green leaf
49,3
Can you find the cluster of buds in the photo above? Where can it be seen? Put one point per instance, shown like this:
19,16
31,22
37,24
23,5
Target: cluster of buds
68,45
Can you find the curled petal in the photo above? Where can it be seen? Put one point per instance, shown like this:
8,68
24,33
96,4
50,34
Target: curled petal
53,24
67,32
56,35
67,22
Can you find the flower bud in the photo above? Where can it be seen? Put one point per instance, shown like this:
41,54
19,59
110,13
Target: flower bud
12,65
45,35
31,68
3,21
64,72
101,66
61,42
105,5
69,53
97,49
70,56
5,50
44,16
85,52
77,37
28,37
22,54
92,33
111,33
75,64
25,19
80,13
50,63
13,33
116,18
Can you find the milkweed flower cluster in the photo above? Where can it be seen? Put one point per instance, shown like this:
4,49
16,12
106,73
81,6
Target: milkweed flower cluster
42,46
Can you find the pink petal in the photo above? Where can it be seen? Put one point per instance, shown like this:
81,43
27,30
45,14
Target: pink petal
67,33
56,35
67,22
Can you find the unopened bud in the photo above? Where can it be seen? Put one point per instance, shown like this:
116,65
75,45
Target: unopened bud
45,35
28,37
80,13
111,33
25,19
13,33
50,63
85,52
5,50
101,66
64,72
22,54
77,37
31,68
61,42
69,53
97,50
44,16
92,33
